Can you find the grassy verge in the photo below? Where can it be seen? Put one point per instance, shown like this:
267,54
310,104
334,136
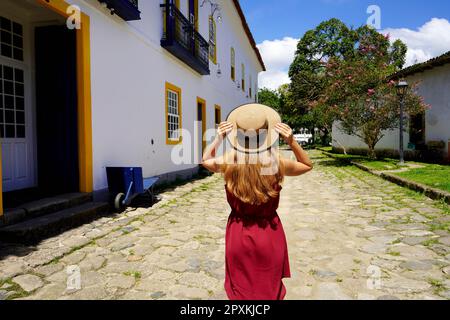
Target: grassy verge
432,175
379,164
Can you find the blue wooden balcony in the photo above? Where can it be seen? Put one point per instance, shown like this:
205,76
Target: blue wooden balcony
128,10
182,40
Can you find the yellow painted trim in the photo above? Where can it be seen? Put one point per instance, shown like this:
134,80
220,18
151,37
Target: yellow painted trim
217,107
1,182
203,103
177,5
176,89
243,77
196,14
83,93
164,20
233,64
58,6
213,58
84,106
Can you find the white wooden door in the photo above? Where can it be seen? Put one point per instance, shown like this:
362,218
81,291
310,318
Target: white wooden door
16,127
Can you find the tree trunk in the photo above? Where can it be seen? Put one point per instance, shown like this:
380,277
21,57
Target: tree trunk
342,146
371,153
324,138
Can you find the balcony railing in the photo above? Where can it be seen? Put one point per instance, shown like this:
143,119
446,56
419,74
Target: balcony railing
128,10
182,40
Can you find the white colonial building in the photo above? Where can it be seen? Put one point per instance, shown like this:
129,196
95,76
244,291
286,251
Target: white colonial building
115,90
433,79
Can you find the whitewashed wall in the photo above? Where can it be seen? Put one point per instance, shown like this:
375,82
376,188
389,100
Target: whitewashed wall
129,70
391,139
434,86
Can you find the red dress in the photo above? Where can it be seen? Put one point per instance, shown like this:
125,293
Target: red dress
256,255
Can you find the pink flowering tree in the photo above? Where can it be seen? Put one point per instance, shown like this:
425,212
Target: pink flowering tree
358,93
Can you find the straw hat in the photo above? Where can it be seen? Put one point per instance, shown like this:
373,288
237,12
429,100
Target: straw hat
253,130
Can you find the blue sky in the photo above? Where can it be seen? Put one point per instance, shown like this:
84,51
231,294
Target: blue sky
277,25
274,19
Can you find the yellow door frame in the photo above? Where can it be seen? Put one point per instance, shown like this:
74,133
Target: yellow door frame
217,109
84,97
83,92
203,103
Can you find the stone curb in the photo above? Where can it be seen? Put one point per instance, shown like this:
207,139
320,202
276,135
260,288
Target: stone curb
430,192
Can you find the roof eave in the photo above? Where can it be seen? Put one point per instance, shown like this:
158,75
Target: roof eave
424,66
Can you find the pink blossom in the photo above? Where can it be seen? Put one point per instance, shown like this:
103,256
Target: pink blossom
371,92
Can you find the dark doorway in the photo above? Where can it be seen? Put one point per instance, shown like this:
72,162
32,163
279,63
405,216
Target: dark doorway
417,130
56,110
201,111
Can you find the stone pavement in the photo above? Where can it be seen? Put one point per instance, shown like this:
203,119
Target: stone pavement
351,235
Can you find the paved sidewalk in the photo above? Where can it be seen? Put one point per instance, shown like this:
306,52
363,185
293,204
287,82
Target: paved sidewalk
351,235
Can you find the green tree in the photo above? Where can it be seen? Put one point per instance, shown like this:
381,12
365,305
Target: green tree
333,44
358,93
331,39
269,98
281,100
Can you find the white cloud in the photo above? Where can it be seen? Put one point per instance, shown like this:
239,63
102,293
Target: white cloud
273,79
277,55
430,40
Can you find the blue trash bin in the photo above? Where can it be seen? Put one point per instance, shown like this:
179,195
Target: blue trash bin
124,183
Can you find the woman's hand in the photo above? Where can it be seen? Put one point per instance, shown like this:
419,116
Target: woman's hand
224,129
286,132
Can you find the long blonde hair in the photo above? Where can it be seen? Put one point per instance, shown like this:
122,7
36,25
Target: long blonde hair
253,179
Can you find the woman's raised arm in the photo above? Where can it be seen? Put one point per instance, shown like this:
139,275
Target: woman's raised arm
209,160
303,163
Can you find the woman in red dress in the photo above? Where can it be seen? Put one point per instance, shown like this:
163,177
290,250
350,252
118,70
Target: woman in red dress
256,254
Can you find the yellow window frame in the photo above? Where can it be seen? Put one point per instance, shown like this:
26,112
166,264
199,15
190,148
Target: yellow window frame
243,77
195,13
233,64
171,87
213,58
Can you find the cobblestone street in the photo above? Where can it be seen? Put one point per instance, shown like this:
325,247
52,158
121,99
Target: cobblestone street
351,235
